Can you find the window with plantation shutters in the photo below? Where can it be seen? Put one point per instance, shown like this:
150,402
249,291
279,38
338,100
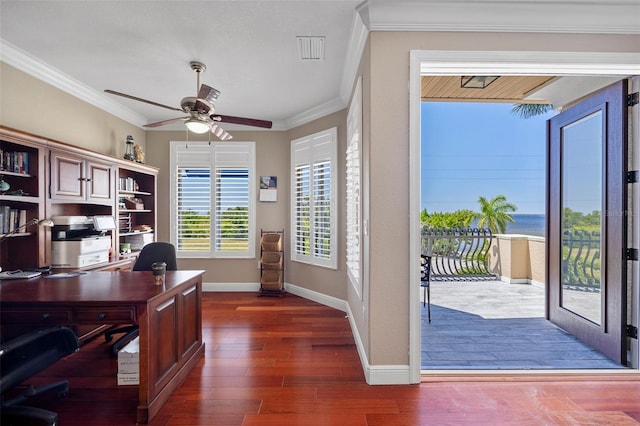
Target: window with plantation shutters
313,210
212,210
193,209
353,181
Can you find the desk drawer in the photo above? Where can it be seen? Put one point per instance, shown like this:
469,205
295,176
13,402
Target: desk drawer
39,316
98,315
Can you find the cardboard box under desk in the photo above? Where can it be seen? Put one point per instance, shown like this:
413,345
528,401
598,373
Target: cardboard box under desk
129,363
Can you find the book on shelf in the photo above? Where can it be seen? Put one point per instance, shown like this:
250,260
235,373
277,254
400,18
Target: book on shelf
22,219
11,219
15,162
126,183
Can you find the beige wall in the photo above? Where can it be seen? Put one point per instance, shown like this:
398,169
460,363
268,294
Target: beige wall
272,154
324,280
272,159
518,258
537,259
29,105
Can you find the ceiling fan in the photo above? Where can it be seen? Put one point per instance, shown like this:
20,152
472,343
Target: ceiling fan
202,115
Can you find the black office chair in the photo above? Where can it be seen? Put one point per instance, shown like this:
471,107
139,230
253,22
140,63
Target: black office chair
151,253
425,278
26,356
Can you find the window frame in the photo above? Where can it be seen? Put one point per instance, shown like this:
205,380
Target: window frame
214,156
308,152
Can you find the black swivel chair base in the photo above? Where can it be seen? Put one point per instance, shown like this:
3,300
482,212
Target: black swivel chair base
24,357
13,414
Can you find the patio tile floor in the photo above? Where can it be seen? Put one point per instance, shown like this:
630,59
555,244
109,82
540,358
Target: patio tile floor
492,325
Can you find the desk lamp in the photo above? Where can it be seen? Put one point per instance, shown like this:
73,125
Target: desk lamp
47,223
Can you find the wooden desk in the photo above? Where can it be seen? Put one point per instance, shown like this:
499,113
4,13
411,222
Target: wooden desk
169,318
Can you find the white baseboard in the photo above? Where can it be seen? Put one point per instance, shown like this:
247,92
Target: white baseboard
510,280
323,299
374,374
243,287
378,374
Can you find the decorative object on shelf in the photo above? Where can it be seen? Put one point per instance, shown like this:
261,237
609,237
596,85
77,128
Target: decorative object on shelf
128,152
138,153
4,186
134,204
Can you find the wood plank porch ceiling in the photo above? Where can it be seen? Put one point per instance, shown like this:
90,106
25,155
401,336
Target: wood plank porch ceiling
509,89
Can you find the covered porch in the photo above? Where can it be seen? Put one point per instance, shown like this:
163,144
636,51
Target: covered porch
500,324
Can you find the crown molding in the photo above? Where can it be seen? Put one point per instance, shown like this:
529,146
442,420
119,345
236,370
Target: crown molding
31,65
528,63
28,64
355,49
535,16
315,113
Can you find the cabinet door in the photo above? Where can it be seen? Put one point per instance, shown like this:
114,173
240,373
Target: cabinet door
67,180
76,178
99,182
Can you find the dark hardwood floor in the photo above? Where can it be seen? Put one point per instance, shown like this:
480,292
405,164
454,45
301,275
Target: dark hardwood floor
289,361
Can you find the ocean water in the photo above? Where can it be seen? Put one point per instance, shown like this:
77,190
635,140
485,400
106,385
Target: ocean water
527,224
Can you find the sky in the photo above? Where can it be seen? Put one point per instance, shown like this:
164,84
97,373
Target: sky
481,149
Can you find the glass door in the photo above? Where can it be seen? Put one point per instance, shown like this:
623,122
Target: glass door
587,202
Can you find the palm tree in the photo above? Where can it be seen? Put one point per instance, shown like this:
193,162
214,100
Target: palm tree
494,214
530,110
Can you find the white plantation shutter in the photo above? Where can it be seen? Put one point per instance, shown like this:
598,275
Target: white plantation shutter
192,213
313,210
353,214
213,213
194,209
322,209
302,212
235,182
354,183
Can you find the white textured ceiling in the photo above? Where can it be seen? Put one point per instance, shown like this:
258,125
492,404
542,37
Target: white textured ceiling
143,48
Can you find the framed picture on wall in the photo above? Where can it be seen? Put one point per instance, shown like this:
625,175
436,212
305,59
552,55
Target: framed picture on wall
268,188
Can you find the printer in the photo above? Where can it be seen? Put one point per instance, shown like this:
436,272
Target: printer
80,241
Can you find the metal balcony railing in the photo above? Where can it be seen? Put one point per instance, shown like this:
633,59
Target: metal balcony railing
581,260
458,254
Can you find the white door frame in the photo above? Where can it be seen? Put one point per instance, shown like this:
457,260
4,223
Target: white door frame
438,62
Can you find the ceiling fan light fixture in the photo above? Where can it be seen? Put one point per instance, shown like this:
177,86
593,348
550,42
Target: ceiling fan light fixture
197,126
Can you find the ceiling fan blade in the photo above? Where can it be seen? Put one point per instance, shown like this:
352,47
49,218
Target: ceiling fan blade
220,133
124,95
208,93
163,122
242,120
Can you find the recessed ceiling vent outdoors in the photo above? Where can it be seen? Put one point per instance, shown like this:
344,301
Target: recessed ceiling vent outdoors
311,48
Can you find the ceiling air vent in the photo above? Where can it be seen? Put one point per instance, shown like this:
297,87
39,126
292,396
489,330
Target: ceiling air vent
311,48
